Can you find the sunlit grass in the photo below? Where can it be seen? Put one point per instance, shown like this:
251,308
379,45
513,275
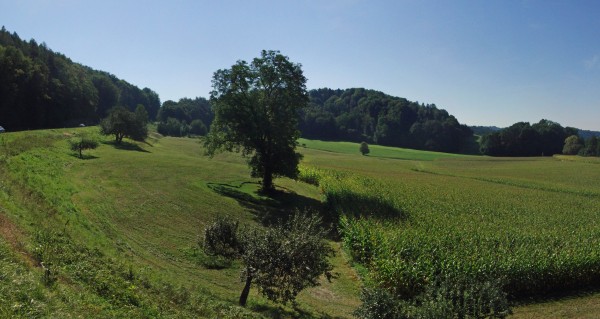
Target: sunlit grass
142,206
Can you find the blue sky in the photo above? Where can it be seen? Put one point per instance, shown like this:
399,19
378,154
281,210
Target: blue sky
487,62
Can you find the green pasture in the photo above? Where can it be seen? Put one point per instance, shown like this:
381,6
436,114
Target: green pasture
376,151
117,231
120,230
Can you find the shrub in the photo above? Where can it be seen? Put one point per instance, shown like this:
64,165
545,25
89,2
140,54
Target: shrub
82,143
222,238
364,148
197,127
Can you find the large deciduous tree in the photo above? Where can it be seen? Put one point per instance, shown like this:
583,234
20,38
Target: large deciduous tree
123,123
256,108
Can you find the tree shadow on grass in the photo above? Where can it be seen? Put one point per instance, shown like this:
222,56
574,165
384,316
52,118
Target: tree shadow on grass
127,146
279,312
277,207
559,294
84,156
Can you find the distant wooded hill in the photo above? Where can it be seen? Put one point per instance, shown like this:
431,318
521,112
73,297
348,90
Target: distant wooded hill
40,88
482,130
587,134
359,114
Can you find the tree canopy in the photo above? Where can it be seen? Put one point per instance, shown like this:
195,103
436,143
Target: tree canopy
192,116
41,88
522,139
364,148
372,116
79,144
123,123
256,108
573,144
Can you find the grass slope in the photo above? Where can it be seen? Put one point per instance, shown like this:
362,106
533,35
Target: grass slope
118,231
115,235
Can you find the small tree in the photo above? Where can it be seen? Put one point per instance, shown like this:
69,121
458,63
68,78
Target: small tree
281,261
364,148
572,145
82,143
121,123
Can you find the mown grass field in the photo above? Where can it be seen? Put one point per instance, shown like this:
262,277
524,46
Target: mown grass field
119,231
115,234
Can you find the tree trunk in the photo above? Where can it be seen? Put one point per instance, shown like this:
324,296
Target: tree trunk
267,183
80,155
246,291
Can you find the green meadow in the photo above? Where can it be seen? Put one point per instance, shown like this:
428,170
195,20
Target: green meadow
116,234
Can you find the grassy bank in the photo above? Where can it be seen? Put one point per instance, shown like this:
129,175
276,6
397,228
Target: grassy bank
115,234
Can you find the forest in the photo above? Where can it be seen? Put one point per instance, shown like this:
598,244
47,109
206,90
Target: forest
522,139
40,88
372,116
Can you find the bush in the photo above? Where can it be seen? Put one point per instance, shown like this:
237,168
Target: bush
222,238
364,148
82,143
377,304
197,127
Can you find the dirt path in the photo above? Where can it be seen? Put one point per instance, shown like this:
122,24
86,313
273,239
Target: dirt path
14,237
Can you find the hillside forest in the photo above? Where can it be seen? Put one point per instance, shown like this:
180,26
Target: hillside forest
40,88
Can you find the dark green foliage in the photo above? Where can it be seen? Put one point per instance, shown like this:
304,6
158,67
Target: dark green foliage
123,123
447,297
197,127
454,296
359,114
281,260
79,144
592,147
378,304
222,237
573,144
482,130
43,89
364,148
256,109
522,139
171,127
185,117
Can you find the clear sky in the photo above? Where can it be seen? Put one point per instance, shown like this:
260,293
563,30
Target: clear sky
488,62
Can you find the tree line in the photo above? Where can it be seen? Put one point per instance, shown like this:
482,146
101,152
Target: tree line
523,139
578,145
40,88
185,117
366,115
